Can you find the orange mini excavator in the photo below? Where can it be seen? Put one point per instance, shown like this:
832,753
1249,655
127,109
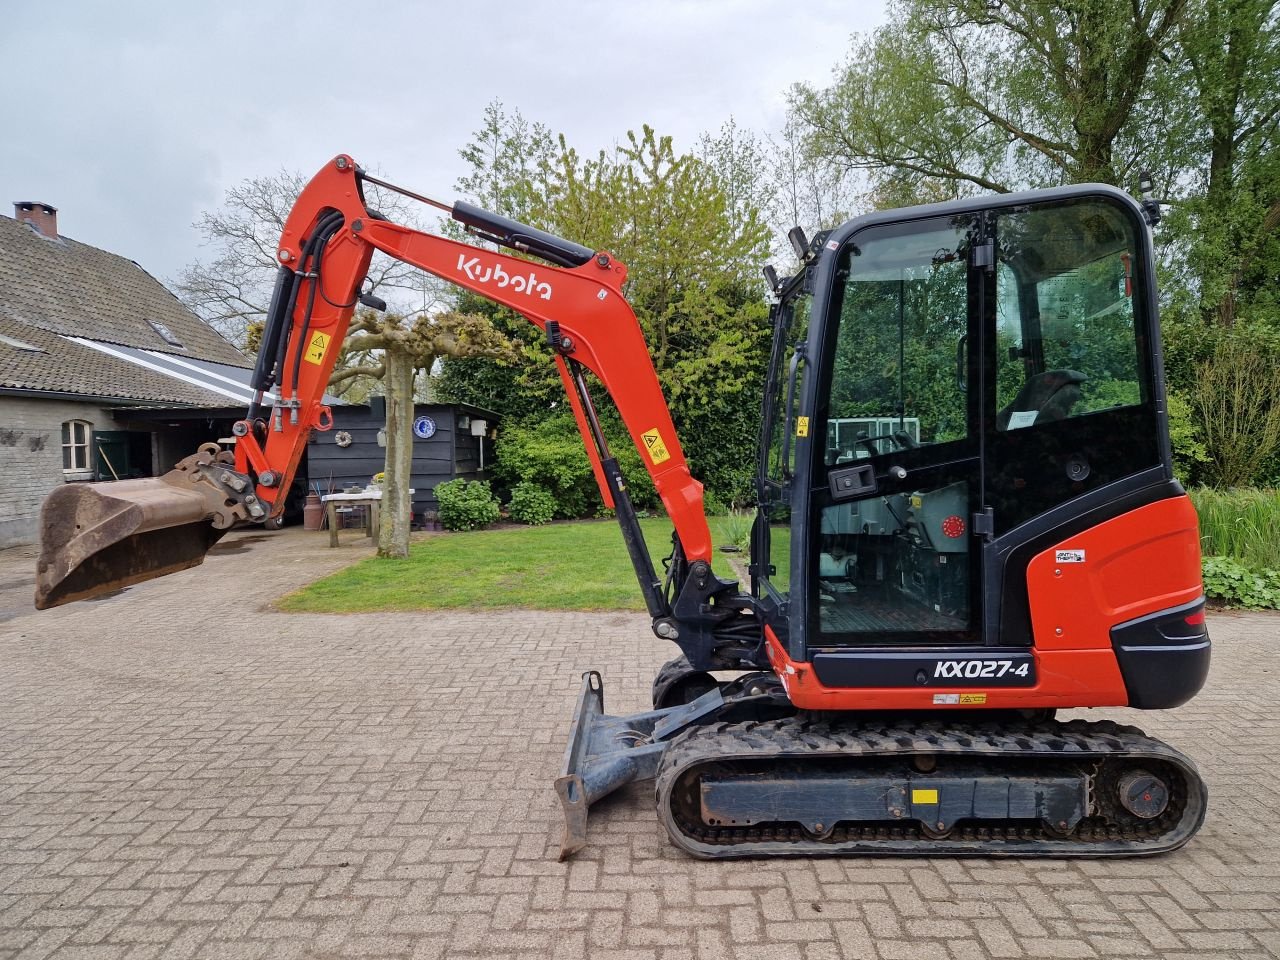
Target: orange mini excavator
967,519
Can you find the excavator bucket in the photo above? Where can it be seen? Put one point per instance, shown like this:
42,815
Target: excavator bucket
98,537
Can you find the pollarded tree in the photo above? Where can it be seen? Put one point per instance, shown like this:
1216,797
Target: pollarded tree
403,346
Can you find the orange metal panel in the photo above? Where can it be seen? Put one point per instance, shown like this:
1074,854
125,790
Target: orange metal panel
1140,562
1065,678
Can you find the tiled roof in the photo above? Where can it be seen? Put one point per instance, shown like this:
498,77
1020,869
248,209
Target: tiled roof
60,286
63,366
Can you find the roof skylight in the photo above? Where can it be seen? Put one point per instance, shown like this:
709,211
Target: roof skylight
22,344
166,334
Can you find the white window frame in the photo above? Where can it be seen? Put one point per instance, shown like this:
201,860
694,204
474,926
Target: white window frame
80,450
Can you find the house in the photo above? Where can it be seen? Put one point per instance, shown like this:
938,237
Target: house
103,372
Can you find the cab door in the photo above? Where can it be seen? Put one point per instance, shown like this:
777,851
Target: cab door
896,483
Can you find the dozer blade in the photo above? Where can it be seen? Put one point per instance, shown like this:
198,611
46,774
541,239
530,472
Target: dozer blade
98,537
605,753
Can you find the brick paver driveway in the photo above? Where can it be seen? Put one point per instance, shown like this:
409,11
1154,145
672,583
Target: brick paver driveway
185,774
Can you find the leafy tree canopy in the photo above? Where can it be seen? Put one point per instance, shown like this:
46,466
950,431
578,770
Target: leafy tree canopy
691,230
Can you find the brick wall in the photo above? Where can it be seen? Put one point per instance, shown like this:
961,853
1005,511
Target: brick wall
31,458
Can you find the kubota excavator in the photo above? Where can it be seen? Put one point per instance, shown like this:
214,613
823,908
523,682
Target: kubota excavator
967,520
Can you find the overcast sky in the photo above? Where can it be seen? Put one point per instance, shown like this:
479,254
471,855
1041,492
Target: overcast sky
132,117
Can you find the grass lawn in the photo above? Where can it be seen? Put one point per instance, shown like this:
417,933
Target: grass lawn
562,566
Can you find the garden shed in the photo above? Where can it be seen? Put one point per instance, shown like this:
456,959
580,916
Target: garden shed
450,441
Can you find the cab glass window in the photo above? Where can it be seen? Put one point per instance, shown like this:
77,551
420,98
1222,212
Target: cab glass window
898,378
771,551
1067,345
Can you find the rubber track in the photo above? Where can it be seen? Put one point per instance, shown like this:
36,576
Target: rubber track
799,738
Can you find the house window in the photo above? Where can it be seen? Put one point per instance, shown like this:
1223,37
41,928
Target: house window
75,445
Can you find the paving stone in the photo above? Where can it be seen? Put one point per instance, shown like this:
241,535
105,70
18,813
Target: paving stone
185,777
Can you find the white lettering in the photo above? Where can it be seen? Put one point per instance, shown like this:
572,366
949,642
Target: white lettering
973,669
477,272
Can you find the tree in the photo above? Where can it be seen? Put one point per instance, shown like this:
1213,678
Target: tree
231,287
970,95
689,229
511,165
957,96
403,346
806,188
1229,217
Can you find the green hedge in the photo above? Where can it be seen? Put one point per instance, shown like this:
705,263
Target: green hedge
550,455
532,504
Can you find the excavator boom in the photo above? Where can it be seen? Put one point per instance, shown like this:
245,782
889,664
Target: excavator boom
96,538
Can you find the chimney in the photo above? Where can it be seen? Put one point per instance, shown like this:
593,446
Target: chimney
40,215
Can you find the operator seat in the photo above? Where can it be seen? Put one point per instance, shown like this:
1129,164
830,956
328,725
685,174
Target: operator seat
1049,395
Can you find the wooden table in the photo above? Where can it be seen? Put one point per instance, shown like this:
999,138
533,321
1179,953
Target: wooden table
368,498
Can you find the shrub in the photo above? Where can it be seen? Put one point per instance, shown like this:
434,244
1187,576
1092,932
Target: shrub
1240,538
549,454
1189,453
712,505
1233,400
1235,585
733,529
532,504
466,504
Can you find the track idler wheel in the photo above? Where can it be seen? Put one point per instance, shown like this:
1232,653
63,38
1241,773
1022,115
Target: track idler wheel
678,683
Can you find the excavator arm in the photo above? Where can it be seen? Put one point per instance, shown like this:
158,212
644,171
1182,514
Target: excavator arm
99,537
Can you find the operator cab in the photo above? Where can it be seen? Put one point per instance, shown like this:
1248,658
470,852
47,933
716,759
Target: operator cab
951,388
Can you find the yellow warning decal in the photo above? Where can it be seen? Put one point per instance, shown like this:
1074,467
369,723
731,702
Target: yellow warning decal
657,449
316,348
973,698
802,426
924,796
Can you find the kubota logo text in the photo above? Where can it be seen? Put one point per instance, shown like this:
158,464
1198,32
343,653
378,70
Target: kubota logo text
529,284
